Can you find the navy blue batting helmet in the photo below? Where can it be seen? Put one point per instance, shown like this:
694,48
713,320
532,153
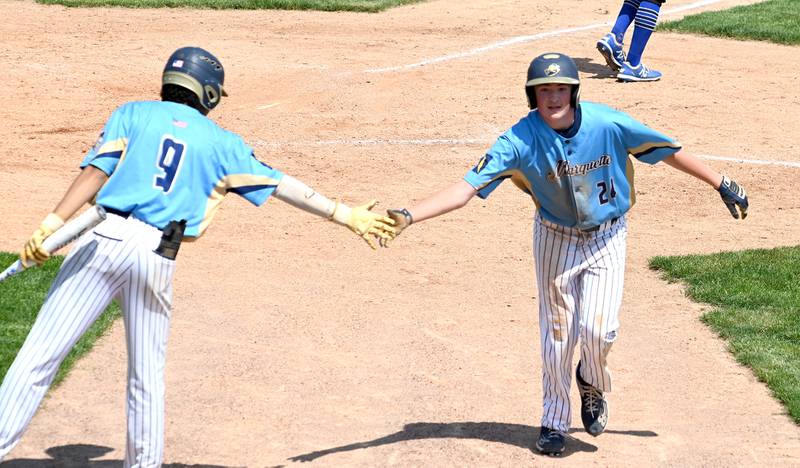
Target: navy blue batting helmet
199,71
552,67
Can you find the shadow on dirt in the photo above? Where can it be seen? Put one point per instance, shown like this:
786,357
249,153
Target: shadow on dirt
518,435
80,456
597,68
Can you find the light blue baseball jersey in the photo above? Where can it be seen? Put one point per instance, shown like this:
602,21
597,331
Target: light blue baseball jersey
167,161
581,178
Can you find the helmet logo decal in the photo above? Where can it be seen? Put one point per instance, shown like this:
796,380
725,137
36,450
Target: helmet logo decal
552,70
177,63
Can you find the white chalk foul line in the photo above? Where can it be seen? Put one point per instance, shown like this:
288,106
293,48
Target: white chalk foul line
751,161
496,45
374,142
428,142
477,141
530,38
690,6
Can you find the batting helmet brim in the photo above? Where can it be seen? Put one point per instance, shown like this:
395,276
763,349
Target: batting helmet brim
190,82
553,79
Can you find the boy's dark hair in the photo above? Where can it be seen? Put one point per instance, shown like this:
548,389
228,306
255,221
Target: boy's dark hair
181,95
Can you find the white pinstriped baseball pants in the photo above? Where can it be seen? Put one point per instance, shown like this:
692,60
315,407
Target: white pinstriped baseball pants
580,279
116,259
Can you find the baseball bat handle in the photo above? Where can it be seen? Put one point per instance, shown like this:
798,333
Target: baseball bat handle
75,228
68,233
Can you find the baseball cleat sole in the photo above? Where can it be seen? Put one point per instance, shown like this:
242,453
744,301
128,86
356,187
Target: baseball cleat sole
608,56
635,79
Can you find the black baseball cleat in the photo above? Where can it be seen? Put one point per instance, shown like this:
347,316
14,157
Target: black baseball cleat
594,408
550,442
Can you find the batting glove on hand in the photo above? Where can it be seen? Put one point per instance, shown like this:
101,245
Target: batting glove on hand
33,251
402,219
733,195
364,222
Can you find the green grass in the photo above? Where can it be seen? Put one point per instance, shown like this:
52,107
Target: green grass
21,296
756,299
774,21
324,5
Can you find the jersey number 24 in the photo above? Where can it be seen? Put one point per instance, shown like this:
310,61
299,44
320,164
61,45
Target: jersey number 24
606,192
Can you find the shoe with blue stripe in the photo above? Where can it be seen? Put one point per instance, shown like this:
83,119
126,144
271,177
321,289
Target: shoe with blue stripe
638,73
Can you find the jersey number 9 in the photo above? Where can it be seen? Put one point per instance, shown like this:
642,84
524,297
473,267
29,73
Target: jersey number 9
170,156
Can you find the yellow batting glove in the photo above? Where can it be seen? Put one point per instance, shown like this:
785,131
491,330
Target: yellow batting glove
364,222
33,251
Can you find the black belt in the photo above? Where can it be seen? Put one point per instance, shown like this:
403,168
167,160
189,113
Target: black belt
597,228
171,236
124,214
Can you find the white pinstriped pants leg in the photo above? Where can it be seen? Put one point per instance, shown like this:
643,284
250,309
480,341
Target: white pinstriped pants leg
580,278
116,259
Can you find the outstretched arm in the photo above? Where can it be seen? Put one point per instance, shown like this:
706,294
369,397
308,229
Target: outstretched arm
733,195
443,201
360,219
695,167
439,203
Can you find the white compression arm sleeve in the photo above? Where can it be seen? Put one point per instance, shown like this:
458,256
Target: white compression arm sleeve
300,195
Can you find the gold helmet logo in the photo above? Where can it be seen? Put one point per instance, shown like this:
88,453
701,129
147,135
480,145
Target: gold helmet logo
552,70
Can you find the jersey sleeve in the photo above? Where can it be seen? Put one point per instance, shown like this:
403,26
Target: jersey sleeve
493,168
248,177
644,143
110,147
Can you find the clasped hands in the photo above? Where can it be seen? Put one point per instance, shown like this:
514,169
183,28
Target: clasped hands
365,223
370,226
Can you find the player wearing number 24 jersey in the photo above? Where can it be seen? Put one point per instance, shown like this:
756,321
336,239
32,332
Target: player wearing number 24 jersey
576,178
160,169
575,160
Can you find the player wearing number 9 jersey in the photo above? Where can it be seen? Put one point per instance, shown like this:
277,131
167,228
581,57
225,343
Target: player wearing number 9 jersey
574,159
167,161
160,169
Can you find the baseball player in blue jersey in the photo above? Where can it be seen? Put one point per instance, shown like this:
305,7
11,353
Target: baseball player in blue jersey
644,15
160,169
575,160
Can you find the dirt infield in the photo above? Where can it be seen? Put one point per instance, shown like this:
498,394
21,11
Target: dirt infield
292,342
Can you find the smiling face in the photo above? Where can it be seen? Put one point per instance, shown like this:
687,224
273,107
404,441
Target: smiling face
553,100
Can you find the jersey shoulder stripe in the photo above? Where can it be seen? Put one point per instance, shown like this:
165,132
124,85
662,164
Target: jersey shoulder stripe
236,183
244,183
650,146
112,149
517,178
107,155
